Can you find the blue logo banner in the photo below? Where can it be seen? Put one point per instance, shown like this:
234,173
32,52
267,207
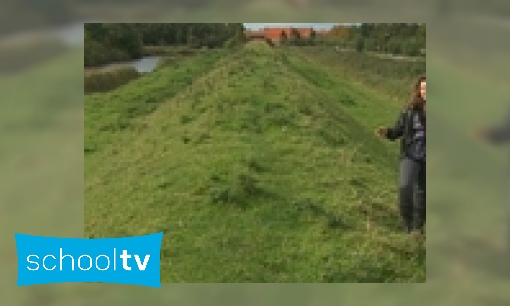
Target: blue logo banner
127,260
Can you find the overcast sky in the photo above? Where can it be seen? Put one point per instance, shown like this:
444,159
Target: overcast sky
313,25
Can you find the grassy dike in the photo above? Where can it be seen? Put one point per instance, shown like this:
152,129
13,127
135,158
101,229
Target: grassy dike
259,166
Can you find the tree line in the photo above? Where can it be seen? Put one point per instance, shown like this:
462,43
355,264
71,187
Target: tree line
110,42
395,38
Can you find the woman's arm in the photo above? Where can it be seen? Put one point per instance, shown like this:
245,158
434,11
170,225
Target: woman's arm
397,130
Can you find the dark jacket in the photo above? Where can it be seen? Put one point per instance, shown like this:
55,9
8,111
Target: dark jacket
410,128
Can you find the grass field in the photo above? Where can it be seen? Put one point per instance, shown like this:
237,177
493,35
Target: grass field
259,165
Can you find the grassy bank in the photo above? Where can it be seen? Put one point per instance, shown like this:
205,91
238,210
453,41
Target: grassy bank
255,171
106,78
169,51
393,78
110,114
109,80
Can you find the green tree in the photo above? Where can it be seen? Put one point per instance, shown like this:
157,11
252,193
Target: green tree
360,44
117,41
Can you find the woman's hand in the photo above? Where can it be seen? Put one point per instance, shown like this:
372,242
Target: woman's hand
381,131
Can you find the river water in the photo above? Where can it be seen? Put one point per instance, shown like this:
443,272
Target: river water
145,64
72,36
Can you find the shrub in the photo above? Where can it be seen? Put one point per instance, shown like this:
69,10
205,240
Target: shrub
106,81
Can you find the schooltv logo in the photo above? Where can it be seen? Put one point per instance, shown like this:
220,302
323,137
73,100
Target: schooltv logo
127,260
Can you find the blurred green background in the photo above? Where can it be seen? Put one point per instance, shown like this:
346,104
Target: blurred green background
41,148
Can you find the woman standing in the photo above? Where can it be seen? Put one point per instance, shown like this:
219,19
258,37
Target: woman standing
410,128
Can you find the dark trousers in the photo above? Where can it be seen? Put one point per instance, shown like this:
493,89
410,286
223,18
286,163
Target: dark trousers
412,194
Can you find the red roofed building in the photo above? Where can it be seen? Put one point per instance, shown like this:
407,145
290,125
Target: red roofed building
275,34
255,34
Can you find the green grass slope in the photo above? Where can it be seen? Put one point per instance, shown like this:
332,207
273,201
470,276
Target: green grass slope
382,75
260,167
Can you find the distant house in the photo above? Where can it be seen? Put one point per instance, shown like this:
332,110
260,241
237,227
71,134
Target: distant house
255,34
275,34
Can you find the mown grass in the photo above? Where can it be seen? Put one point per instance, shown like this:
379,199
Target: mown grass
254,170
109,114
393,78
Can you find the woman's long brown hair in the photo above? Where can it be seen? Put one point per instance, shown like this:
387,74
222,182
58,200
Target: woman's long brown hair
416,100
